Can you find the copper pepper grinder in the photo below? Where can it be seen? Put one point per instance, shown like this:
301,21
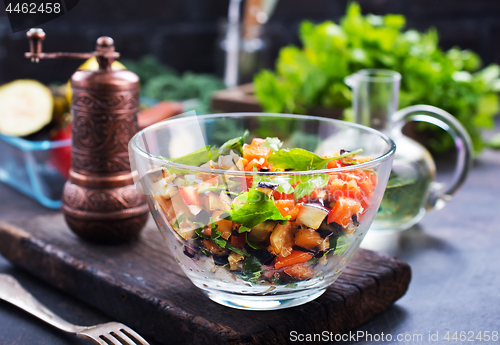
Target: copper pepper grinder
99,200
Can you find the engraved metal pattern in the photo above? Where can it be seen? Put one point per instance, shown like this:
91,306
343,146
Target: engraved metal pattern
102,200
103,124
118,102
104,215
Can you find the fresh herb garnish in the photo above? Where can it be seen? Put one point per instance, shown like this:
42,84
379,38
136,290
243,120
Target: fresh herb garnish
218,240
343,243
284,185
179,220
195,158
235,144
302,160
207,153
291,285
251,270
250,244
273,143
256,207
201,234
308,183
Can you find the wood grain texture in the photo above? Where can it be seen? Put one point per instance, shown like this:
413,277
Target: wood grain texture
141,285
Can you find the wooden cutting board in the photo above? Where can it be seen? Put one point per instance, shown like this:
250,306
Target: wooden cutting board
141,285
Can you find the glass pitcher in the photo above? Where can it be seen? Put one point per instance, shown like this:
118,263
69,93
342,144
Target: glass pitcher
411,190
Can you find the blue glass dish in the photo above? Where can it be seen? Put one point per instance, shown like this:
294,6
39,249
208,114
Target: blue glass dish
25,166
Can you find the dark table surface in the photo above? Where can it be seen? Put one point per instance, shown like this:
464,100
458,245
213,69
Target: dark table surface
454,254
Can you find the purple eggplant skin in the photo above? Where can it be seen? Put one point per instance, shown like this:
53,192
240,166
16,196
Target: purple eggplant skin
325,233
192,248
302,249
261,254
355,220
269,185
190,252
221,260
328,229
319,254
317,202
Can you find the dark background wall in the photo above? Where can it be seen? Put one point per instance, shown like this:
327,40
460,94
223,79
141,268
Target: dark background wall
182,33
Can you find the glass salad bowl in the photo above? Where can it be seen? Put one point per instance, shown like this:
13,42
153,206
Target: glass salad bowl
261,211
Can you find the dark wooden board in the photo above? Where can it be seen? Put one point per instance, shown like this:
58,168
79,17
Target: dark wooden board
141,285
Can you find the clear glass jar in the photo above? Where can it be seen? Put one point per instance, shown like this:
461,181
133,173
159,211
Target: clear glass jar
411,190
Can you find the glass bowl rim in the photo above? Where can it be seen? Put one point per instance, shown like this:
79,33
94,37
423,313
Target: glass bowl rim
179,119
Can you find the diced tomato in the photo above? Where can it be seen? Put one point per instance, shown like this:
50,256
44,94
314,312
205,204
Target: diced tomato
341,188
295,212
251,152
343,210
299,271
295,257
314,194
190,195
366,185
258,163
334,164
207,231
285,206
303,200
282,196
308,238
258,141
238,241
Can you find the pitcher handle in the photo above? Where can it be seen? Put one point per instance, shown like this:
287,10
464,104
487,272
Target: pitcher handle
440,193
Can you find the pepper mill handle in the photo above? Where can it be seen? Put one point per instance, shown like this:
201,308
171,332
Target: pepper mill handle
36,37
105,49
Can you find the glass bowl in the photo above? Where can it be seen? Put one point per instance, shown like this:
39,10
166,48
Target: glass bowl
211,215
38,169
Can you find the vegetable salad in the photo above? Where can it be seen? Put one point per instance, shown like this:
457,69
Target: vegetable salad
269,226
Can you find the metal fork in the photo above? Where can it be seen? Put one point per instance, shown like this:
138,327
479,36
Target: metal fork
111,333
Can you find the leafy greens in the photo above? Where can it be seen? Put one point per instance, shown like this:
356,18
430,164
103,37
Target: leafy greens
255,208
314,75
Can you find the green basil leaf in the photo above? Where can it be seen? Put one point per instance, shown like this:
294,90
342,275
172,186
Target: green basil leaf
235,144
302,160
273,143
257,208
250,244
308,183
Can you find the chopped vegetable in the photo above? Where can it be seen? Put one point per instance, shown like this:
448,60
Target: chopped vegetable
26,107
343,211
295,257
312,215
267,227
282,239
308,238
